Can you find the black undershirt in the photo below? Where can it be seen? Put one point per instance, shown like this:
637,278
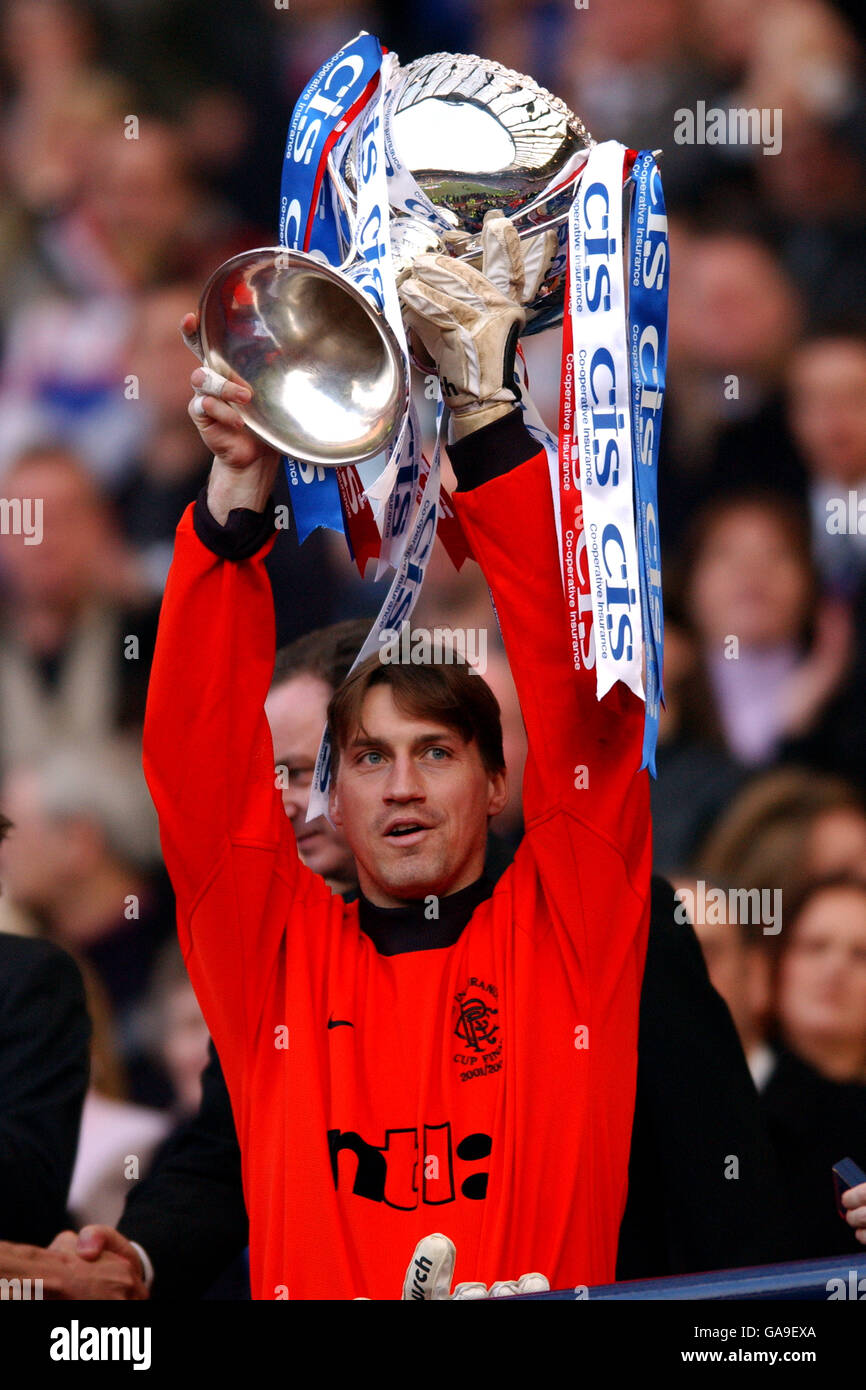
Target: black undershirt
395,931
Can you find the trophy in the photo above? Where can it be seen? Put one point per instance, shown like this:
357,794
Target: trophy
385,164
463,136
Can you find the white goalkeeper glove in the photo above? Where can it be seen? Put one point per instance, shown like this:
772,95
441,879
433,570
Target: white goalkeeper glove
431,1270
469,320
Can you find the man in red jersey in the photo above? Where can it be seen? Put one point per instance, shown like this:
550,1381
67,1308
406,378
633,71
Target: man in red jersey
437,1054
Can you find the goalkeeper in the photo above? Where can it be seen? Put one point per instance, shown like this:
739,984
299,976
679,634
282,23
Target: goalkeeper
392,1068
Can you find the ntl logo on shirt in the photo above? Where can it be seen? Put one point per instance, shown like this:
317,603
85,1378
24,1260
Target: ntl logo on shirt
76,1343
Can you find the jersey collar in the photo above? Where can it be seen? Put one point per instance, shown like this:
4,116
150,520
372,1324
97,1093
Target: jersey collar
396,931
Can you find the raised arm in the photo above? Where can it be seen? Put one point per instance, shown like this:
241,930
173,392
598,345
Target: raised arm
583,754
207,749
208,754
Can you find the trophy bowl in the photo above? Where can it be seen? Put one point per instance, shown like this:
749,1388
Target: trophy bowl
327,374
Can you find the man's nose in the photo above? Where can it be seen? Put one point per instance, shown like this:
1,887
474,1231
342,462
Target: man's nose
404,782
295,802
837,964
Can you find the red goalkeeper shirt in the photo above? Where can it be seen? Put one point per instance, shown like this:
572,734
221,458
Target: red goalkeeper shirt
481,1086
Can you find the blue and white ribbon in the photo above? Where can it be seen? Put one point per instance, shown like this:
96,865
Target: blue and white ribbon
308,221
648,270
373,273
395,611
602,435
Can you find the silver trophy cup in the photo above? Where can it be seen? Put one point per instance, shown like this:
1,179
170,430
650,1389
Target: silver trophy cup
325,368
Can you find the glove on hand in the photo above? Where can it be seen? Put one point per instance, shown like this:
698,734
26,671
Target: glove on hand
470,321
432,1267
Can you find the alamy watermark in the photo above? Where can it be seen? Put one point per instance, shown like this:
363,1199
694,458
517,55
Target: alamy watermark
846,516
739,906
24,1289
740,125
438,646
77,1343
854,1289
22,516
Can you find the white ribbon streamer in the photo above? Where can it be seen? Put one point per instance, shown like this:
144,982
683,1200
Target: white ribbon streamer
602,432
395,611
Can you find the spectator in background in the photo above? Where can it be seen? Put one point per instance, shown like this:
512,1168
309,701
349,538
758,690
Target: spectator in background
807,1051
63,379
735,317
74,651
50,53
739,969
173,465
82,859
751,596
803,60
625,69
118,1136
811,203
138,219
786,828
827,411
696,775
61,373
800,56
815,1097
821,979
176,1031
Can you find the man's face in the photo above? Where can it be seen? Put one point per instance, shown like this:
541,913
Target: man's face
828,408
413,800
296,711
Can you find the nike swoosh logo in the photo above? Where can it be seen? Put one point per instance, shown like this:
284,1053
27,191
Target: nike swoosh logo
339,1023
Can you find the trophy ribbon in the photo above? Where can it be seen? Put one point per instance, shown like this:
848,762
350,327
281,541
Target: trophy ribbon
596,483
329,104
649,271
395,611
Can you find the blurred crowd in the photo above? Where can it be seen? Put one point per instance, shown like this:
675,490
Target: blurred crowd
140,146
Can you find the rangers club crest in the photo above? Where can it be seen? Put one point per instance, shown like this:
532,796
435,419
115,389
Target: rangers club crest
476,1027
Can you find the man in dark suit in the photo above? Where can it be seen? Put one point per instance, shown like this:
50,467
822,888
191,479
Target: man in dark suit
44,1069
703,1183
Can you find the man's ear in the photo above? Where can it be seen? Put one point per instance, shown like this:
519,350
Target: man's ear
334,806
498,782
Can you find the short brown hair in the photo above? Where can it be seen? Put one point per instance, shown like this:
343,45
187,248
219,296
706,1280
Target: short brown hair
452,693
327,653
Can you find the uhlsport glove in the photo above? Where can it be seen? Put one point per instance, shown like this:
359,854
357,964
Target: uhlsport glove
469,320
432,1267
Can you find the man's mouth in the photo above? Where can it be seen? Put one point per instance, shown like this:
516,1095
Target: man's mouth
305,835
404,830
